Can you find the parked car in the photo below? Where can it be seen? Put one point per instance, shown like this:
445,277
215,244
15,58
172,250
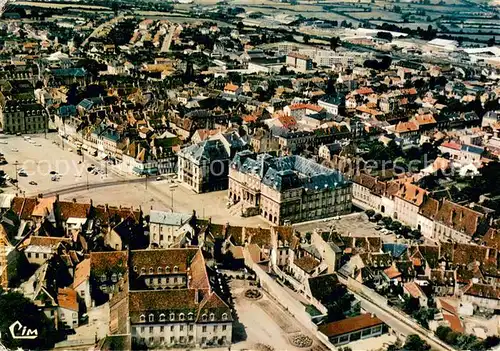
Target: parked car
33,183
14,150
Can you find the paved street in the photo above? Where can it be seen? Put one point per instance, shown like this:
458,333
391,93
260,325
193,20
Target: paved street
41,157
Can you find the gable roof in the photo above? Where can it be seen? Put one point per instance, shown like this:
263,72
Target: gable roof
349,325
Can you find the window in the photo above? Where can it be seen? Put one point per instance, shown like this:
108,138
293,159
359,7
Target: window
171,328
162,339
190,338
172,339
224,327
162,317
151,339
190,327
143,270
151,317
204,329
181,316
167,270
151,330
143,318
135,269
212,316
160,270
204,317
103,278
224,316
29,254
181,328
37,255
172,316
151,270
181,340
175,280
142,329
203,340
215,329
176,269
190,316
162,329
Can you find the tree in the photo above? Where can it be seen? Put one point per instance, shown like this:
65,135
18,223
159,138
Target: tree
491,41
306,38
396,225
385,35
240,26
15,307
308,237
334,43
377,217
442,332
415,343
387,221
370,213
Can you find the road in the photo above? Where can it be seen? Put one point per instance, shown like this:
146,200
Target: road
401,324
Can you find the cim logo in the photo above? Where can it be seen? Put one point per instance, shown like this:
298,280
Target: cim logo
18,331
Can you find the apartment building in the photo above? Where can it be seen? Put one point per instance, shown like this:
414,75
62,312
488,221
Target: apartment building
288,189
168,228
299,62
171,302
23,117
203,167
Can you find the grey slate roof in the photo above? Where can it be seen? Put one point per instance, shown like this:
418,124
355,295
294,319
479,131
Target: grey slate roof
282,173
208,150
168,218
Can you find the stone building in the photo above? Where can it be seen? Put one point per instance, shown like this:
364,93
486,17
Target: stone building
23,117
171,302
204,166
287,189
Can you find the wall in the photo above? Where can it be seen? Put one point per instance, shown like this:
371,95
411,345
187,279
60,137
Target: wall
294,307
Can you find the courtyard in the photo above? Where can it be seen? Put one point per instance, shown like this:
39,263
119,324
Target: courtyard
263,324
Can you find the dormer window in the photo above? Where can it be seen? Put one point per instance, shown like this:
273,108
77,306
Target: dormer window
204,318
103,277
162,317
176,269
151,270
190,316
151,317
114,278
212,316
167,270
135,269
172,316
160,270
142,318
181,316
143,270
224,316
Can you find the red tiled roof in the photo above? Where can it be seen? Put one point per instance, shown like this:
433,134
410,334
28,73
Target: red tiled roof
67,299
231,87
312,107
349,325
287,121
403,127
452,145
412,193
413,289
460,218
82,273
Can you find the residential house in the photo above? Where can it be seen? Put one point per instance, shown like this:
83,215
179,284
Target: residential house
167,229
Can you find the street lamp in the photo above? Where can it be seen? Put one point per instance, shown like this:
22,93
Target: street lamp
172,199
16,164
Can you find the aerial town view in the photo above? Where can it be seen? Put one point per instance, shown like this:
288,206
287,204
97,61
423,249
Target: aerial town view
259,175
